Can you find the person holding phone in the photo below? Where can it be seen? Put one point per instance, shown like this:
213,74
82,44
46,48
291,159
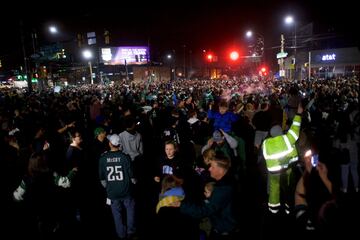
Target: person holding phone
315,160
314,198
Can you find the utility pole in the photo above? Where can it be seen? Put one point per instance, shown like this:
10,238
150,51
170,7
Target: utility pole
173,65
148,63
127,72
184,66
295,46
35,57
190,62
34,40
309,66
91,73
281,60
28,76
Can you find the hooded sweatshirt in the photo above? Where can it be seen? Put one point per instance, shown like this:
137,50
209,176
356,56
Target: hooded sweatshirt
131,143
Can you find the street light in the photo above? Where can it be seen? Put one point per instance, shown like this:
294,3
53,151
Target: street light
87,54
53,30
249,34
184,66
289,20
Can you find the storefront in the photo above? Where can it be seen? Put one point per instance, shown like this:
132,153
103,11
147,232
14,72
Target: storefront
344,62
335,62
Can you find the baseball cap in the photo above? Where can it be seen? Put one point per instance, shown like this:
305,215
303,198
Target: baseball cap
98,130
217,136
114,139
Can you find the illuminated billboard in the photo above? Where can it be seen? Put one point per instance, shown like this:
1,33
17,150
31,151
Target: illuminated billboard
118,55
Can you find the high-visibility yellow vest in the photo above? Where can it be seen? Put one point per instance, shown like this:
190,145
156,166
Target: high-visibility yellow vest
280,151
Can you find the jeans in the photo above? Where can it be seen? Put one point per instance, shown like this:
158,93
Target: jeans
124,209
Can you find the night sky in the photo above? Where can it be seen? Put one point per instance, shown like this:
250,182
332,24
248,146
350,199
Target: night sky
197,24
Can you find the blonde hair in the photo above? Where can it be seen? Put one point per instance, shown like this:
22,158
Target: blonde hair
209,154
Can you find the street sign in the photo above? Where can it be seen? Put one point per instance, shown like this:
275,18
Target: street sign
281,55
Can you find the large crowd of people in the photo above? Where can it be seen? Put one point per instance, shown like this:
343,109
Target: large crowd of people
131,161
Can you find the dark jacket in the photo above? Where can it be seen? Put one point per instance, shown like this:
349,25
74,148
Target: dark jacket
220,208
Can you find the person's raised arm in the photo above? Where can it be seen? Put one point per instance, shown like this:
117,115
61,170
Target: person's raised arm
323,173
299,109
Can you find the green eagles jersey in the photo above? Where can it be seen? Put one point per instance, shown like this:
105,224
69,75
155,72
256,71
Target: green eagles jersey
116,170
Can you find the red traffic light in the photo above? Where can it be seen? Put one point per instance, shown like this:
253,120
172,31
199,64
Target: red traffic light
209,57
234,55
263,71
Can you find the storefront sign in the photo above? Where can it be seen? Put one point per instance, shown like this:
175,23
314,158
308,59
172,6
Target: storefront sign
329,57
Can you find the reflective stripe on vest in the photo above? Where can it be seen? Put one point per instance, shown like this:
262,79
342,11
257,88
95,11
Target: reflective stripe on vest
293,134
273,205
287,142
277,168
296,123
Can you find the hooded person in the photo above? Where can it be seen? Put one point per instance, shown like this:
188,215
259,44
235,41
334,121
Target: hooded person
276,131
130,140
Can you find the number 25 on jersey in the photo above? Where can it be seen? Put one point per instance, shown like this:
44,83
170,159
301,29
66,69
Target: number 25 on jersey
114,173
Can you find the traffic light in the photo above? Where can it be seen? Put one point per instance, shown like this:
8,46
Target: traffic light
209,57
234,55
263,71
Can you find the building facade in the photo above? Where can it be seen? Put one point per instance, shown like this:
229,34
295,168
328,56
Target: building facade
327,63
